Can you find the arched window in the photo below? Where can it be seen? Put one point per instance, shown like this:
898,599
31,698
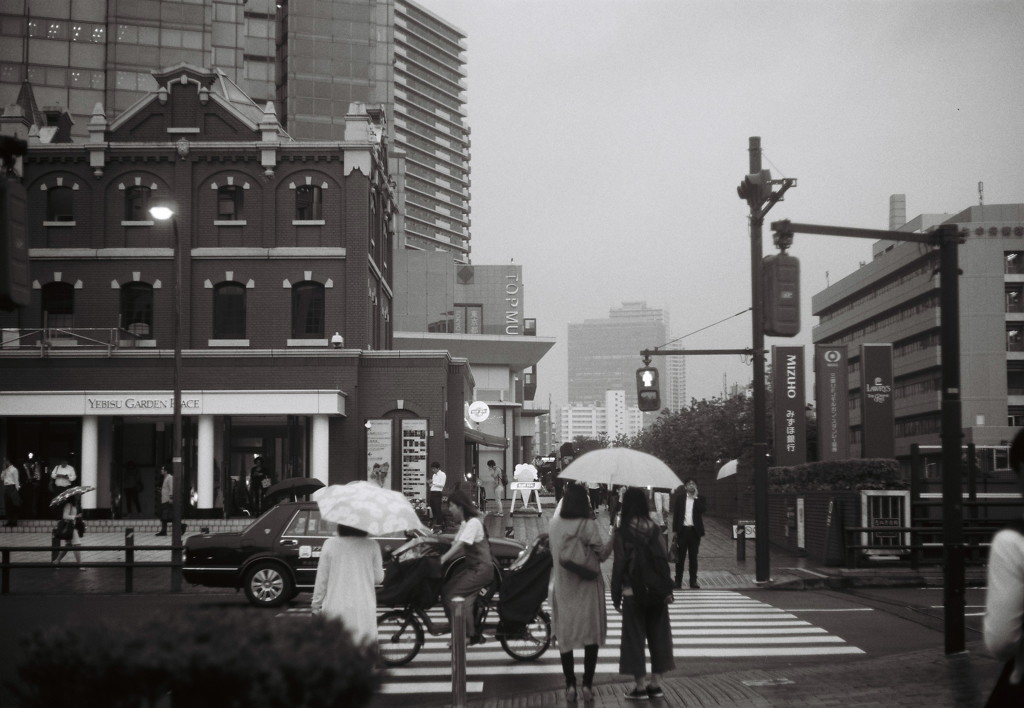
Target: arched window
136,203
58,301
229,202
60,204
308,202
137,309
308,310
229,311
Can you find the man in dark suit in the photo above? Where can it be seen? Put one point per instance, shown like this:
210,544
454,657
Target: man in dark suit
688,525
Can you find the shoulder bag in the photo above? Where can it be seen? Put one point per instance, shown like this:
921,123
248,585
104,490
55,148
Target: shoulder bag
576,556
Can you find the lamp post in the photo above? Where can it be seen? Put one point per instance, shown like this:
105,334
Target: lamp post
163,213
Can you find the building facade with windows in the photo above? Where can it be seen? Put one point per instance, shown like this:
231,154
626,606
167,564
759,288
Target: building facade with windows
477,312
611,420
604,354
283,251
895,299
310,60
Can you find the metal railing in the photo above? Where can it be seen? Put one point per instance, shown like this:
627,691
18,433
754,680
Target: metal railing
46,339
977,539
130,564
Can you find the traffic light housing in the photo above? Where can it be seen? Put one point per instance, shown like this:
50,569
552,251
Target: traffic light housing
15,286
648,395
756,188
781,295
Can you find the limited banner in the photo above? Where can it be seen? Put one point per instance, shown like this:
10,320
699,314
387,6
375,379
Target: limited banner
832,394
790,415
877,412
378,451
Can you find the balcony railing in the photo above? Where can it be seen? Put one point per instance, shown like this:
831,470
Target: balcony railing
86,339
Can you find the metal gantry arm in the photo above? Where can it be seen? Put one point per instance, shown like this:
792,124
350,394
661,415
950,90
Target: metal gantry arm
947,239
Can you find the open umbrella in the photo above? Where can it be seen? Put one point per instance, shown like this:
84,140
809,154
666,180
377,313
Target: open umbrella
292,487
621,465
728,469
365,506
68,493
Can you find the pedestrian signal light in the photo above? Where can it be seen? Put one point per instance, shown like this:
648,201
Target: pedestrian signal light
781,315
648,396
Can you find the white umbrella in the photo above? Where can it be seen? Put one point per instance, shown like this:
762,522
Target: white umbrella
621,465
728,469
365,506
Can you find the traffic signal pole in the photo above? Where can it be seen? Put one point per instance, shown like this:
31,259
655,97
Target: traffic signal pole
946,238
761,542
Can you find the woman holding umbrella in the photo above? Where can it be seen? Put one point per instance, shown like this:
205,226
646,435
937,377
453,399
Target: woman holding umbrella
350,566
471,540
71,519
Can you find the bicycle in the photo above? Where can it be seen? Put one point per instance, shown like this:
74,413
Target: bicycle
401,632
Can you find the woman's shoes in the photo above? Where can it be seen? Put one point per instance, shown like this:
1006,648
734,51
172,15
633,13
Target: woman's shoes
570,694
655,692
477,639
637,694
587,694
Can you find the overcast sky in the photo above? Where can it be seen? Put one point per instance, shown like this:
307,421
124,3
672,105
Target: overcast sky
608,138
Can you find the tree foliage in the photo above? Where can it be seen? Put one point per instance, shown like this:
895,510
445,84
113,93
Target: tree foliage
696,441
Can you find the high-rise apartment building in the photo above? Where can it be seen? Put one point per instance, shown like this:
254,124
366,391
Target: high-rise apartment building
604,354
612,419
895,299
310,60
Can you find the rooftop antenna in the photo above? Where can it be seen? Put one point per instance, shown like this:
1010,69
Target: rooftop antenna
981,194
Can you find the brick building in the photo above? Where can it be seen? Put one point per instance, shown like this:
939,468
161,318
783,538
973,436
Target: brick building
285,257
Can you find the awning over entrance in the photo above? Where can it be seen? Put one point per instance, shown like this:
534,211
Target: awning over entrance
485,439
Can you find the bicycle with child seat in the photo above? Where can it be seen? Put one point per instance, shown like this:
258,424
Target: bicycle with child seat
401,632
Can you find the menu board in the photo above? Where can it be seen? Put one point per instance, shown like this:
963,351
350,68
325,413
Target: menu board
414,458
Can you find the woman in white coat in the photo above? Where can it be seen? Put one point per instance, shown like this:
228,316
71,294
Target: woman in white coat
579,618
350,566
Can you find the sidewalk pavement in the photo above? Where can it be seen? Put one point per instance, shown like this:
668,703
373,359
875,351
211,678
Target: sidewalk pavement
918,678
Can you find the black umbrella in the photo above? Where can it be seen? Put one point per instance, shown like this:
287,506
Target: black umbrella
292,487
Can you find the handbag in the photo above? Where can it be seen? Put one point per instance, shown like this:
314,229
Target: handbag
265,482
65,529
578,557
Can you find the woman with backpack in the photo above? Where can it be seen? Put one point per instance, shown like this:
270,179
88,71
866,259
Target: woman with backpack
641,591
578,612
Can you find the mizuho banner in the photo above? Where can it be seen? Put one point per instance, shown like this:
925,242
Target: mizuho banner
877,413
832,395
790,416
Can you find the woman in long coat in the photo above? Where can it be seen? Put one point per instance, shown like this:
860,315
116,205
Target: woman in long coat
350,566
579,619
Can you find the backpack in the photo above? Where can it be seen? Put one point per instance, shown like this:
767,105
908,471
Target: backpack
647,572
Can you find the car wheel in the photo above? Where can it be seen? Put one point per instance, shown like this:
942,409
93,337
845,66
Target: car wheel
268,585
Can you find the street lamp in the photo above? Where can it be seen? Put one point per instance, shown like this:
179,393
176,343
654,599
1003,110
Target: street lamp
164,212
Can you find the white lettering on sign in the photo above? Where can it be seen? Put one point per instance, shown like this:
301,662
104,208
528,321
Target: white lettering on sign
512,311
140,403
791,390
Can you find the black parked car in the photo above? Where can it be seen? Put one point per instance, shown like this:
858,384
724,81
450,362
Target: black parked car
275,557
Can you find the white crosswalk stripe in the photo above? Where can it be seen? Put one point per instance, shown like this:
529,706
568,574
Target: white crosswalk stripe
705,624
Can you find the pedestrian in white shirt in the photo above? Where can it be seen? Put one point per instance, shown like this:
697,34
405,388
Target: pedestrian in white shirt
436,493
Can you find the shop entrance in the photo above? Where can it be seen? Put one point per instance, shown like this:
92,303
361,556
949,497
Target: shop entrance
279,443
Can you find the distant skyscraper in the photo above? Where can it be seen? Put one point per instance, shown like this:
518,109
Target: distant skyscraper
612,419
673,383
311,60
605,354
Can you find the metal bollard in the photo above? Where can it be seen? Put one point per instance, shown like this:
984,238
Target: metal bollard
741,542
129,557
458,605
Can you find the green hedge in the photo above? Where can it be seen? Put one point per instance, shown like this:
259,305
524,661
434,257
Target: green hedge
196,659
837,475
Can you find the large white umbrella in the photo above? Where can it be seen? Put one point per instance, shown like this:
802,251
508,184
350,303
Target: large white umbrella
728,469
623,466
365,506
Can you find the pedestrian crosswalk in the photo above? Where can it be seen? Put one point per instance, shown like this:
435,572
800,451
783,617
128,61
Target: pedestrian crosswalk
705,624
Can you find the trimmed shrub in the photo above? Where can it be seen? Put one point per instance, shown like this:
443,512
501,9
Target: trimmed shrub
838,475
203,658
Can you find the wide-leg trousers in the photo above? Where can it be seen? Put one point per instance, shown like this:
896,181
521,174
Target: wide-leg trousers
645,625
